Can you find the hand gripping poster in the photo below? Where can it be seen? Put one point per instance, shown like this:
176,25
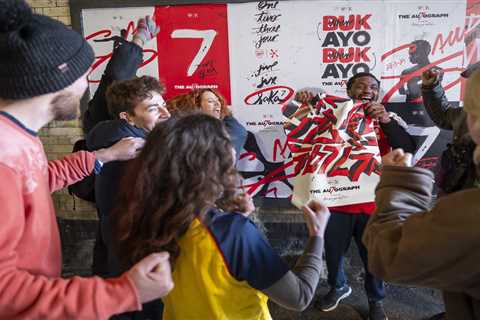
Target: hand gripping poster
336,152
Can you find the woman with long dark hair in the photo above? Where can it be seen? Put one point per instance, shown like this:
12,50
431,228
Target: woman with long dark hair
179,197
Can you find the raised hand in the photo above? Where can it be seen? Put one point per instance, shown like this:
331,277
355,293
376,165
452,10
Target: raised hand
397,158
147,29
431,76
316,216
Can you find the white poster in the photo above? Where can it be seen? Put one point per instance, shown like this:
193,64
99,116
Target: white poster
258,54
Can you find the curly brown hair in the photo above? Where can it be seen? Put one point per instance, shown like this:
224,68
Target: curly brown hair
124,95
191,101
185,168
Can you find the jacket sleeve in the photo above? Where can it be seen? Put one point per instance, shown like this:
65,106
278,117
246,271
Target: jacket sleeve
398,137
26,295
72,168
123,65
408,243
442,113
296,288
237,133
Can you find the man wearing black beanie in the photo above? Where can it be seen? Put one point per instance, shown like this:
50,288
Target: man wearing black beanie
43,67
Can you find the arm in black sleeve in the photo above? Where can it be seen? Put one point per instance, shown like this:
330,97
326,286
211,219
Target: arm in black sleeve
442,113
123,65
398,137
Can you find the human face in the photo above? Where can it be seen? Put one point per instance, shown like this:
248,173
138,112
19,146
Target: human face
149,112
65,105
364,88
210,104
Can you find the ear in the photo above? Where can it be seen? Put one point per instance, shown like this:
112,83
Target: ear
125,116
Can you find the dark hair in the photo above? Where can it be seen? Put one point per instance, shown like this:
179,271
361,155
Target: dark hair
185,168
360,75
423,45
124,95
191,101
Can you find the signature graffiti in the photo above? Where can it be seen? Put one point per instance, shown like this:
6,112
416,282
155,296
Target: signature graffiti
270,95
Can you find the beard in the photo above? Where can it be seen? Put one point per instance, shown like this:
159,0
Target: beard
65,107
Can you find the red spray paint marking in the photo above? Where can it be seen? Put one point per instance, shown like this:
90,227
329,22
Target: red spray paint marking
418,72
105,33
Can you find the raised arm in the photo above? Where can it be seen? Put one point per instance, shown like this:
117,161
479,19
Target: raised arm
296,288
123,65
442,113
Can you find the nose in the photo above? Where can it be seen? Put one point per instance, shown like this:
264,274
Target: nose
164,113
367,90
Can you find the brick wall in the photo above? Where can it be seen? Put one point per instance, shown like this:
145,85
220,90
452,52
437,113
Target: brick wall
58,137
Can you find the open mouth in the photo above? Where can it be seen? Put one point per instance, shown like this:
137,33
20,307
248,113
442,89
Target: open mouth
366,98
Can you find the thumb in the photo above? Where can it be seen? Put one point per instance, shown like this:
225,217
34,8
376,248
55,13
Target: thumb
307,211
316,205
408,158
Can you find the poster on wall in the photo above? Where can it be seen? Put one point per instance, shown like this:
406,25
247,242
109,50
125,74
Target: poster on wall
101,24
421,35
191,48
258,54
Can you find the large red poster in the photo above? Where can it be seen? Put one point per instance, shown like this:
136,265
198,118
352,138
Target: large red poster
193,48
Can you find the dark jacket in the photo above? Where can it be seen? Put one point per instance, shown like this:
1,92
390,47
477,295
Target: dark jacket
409,243
107,182
443,113
123,65
398,137
238,134
457,170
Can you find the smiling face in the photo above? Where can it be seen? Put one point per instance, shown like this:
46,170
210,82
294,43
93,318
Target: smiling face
148,112
210,104
364,88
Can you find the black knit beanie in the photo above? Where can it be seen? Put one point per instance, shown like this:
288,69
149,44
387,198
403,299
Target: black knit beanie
38,54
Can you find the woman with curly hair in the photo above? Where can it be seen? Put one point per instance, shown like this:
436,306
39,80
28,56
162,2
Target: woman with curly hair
180,198
211,102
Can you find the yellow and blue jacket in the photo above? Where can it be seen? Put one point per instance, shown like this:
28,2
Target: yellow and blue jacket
223,265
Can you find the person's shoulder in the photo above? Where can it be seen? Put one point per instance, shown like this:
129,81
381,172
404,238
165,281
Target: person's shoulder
108,132
230,224
18,145
227,219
